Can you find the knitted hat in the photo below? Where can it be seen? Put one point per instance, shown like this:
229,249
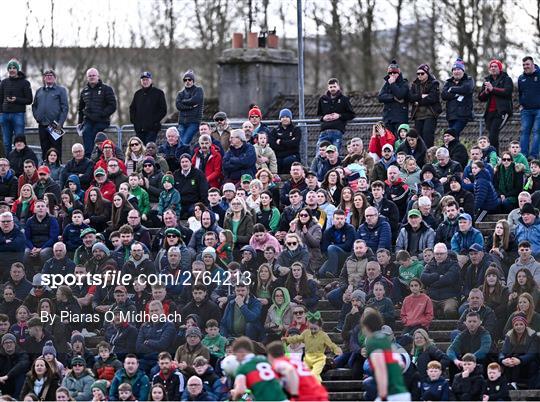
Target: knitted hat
19,138
458,64
14,63
451,131
87,231
404,126
49,349
149,159
100,137
285,113
8,337
520,317
497,62
167,178
78,360
36,280
528,208
189,74
107,142
211,251
185,156
359,295
255,111
102,247
100,172
173,231
424,67
193,331
393,67
101,385
77,338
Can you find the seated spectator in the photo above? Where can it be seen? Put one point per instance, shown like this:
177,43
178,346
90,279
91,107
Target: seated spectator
207,158
240,222
441,278
414,146
150,178
409,268
373,276
449,226
97,210
515,150
385,207
97,151
424,351
169,377
172,148
337,243
495,295
279,316
192,185
485,195
29,175
410,174
240,159
468,176
526,306
487,315
435,387
115,173
53,162
130,374
79,380
41,380
121,335
383,304
388,159
417,309
159,160
513,217
519,353
428,174
474,339
253,200
294,251
23,207
8,182
302,290
108,154
416,235
469,385
525,261
497,388
119,212
528,228
389,268
59,264
456,149
464,198
17,280
532,184
375,231
41,231
106,363
135,153
310,233
508,181
80,166
446,167
195,391
502,244
523,283
21,152
466,236
396,189
474,272
245,308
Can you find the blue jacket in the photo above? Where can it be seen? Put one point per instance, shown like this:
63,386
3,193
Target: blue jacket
485,195
41,234
72,236
461,242
155,337
250,310
378,237
190,104
59,267
75,179
239,161
467,173
140,385
529,89
479,344
12,246
342,238
530,233
437,390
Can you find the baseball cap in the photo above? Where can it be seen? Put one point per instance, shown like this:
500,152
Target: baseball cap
99,172
384,147
44,169
476,247
331,148
414,212
246,178
146,74
465,216
428,183
87,231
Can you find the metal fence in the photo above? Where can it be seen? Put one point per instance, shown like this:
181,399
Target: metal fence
359,127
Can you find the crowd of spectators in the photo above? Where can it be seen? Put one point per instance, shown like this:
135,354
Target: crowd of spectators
254,239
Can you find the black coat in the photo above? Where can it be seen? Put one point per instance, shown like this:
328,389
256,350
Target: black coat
147,109
289,143
502,91
16,159
432,100
341,105
394,111
84,167
48,391
419,153
206,311
192,188
97,103
459,98
190,105
431,353
8,185
18,87
458,152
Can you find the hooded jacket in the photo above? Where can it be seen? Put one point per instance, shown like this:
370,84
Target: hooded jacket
459,98
8,185
140,384
79,387
419,153
395,111
211,165
239,161
197,239
442,280
485,195
73,178
502,91
97,103
19,87
529,89
279,315
339,104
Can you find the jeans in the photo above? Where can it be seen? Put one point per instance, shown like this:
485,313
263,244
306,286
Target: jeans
335,137
90,129
336,258
37,261
187,131
530,121
47,142
458,125
147,136
426,130
12,124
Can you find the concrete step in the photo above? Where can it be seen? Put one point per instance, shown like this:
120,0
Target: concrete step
495,217
525,395
436,325
346,396
343,385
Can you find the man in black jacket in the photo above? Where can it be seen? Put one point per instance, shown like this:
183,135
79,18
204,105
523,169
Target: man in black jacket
394,95
97,103
335,111
458,93
14,363
192,185
15,94
457,150
80,166
8,182
202,305
190,105
147,109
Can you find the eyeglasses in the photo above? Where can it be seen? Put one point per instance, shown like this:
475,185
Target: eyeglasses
236,204
114,165
506,159
303,215
387,150
421,73
292,243
298,313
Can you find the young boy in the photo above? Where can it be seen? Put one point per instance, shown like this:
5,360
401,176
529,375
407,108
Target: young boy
143,201
408,269
436,388
515,150
72,232
489,153
496,386
266,157
400,159
114,238
106,364
533,182
169,197
469,384
125,392
213,340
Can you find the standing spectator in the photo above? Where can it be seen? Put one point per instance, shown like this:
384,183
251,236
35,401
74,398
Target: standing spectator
147,109
395,98
8,182
529,100
497,93
50,105
240,159
15,94
192,185
285,141
222,130
426,103
255,116
97,103
41,232
458,93
335,110
190,104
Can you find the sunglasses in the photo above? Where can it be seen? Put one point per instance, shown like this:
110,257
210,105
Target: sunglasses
147,165
303,215
219,120
298,313
253,117
188,79
135,144
115,165
292,243
171,235
506,159
78,365
420,73
387,150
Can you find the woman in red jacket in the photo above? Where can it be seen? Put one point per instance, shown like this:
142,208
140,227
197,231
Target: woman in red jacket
417,309
380,136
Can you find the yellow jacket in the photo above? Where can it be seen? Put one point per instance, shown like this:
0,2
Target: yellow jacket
314,343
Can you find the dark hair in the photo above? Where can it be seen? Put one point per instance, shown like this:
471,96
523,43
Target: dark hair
333,81
95,208
377,183
125,229
259,228
46,160
104,344
372,320
305,290
242,342
339,212
474,314
469,357
29,161
211,323
324,144
530,284
164,355
527,58
275,349
199,286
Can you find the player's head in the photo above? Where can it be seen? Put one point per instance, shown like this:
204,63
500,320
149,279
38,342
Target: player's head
371,322
275,350
241,347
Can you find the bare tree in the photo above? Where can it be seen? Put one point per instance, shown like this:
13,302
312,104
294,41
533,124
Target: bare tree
394,52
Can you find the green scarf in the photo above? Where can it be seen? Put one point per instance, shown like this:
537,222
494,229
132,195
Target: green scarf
281,309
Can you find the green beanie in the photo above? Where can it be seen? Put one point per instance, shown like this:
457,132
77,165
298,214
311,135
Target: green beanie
167,178
14,63
403,127
102,385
